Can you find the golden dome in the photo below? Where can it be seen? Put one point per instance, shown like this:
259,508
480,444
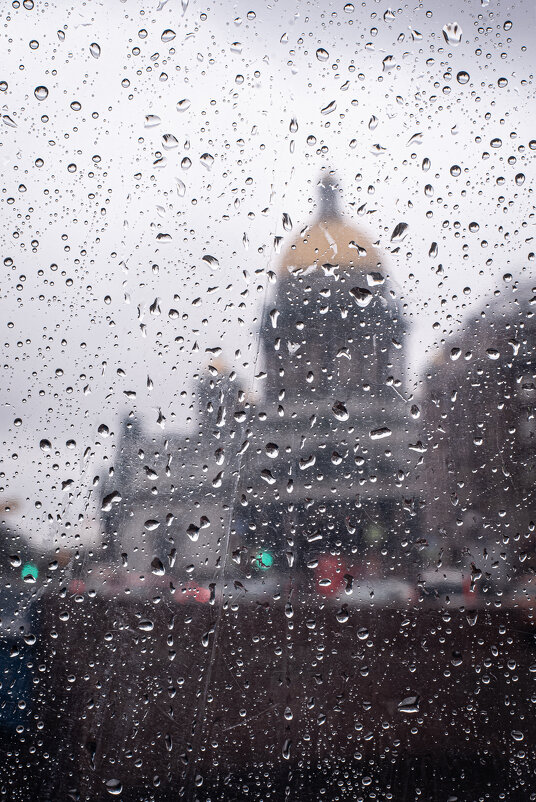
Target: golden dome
332,241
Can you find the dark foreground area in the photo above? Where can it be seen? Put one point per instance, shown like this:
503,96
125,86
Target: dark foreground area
152,699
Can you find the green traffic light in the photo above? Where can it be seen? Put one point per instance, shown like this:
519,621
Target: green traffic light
29,572
266,560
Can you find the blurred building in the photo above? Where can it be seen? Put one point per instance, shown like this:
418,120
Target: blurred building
314,476
479,403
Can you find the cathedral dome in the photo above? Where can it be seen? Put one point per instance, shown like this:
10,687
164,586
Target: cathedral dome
330,239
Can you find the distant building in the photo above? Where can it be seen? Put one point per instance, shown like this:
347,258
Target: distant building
316,476
479,403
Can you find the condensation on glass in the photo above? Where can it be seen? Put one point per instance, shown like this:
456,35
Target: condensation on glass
268,401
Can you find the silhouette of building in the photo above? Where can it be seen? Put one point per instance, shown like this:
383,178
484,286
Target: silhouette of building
479,405
316,476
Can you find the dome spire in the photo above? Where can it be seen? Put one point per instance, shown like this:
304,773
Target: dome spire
328,196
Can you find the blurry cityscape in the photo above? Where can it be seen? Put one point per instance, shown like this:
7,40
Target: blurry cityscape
323,591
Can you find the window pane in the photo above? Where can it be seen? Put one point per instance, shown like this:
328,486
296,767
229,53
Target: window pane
267,483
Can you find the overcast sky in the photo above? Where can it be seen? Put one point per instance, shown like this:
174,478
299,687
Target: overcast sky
165,136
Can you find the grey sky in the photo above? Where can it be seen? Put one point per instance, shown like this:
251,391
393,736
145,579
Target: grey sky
245,79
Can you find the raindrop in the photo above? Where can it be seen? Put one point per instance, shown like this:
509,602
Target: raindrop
463,77
207,160
287,222
157,568
502,82
95,49
114,787
399,232
146,626
293,127
379,434
416,139
152,120
433,250
349,8
362,296
452,33
112,498
321,54
455,170
329,108
520,179
340,411
373,123
409,705
362,632
211,260
184,104
76,106
151,524
388,63
168,35
169,142
45,446
474,227
41,92
272,450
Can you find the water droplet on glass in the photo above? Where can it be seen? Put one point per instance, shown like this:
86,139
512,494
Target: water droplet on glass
151,120
379,434
207,160
349,8
41,92
184,104
168,35
433,250
340,411
388,63
409,705
211,260
455,170
399,232
452,33
114,787
321,54
146,626
463,77
151,524
45,446
112,498
474,227
157,567
287,222
330,107
95,49
416,139
373,123
362,296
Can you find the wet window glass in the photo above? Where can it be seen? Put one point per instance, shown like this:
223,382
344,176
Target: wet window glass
268,402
